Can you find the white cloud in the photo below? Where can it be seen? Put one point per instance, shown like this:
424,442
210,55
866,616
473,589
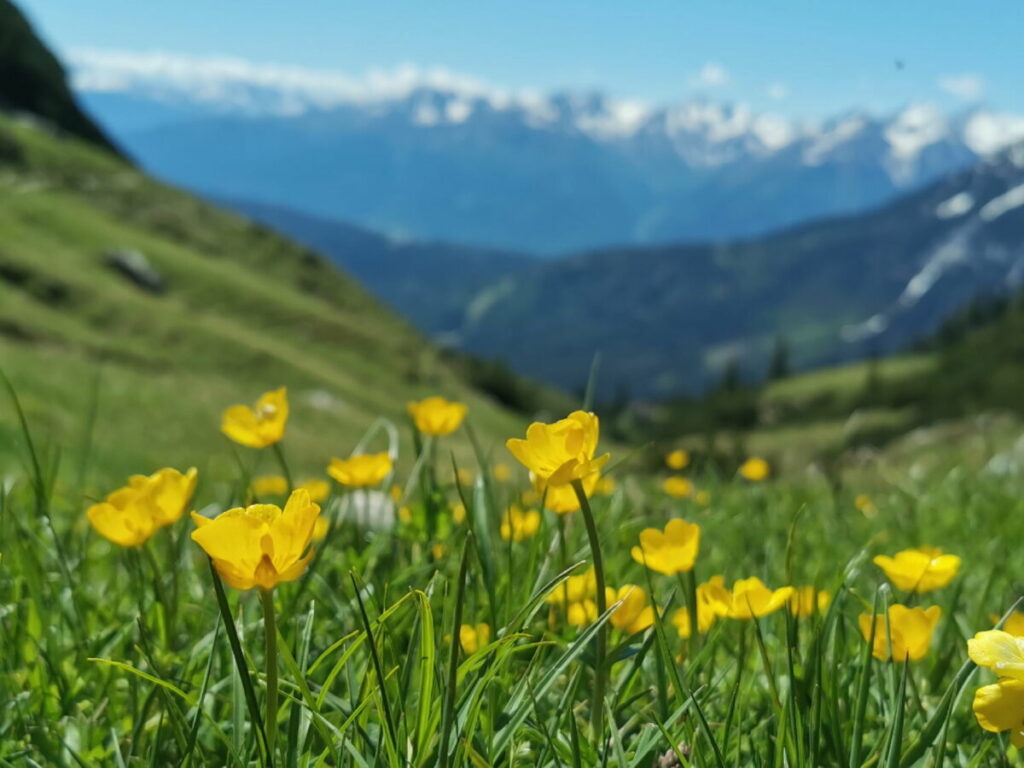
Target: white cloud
966,86
777,91
711,75
241,84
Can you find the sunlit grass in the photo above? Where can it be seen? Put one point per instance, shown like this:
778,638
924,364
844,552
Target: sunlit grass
127,656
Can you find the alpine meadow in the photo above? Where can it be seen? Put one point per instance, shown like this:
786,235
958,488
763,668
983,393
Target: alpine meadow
406,421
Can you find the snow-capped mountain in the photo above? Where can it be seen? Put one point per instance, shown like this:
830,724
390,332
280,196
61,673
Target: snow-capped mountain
665,319
432,154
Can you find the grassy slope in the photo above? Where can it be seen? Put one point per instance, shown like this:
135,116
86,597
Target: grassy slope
245,310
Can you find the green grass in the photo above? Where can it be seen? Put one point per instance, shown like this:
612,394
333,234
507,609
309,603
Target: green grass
244,311
122,657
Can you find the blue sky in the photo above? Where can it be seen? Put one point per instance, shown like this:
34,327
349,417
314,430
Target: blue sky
796,57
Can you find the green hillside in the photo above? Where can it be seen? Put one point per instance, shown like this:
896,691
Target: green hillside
231,310
959,389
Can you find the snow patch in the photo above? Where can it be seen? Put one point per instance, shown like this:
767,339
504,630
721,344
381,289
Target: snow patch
915,128
987,132
997,206
957,205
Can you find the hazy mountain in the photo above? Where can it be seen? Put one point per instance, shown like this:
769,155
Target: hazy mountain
670,318
436,285
432,156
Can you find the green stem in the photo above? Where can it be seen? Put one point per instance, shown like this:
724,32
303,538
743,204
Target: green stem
270,634
597,710
279,454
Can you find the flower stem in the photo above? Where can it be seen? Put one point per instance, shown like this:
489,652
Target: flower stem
279,454
597,710
270,634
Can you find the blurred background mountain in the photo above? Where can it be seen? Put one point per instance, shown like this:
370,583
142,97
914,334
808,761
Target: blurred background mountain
707,252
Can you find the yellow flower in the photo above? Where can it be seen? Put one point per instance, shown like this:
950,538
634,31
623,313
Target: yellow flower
866,506
361,471
561,452
269,485
755,470
677,459
473,638
750,598
575,589
396,493
405,514
502,472
919,570
562,499
529,497
465,476
459,513
703,498
605,485
437,549
677,486
581,614
1000,707
260,545
806,601
261,425
1014,623
130,515
911,630
713,600
1000,651
517,525
318,489
633,615
671,551
437,416
320,529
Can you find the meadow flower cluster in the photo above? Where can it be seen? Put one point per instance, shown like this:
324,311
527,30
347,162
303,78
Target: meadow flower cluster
532,610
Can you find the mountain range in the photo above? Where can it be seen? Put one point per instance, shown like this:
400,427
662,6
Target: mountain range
849,238
432,156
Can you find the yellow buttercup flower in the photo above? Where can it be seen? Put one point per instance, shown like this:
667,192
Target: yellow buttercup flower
677,459
1000,651
677,486
260,545
320,528
750,598
575,589
269,485
806,601
502,472
634,614
605,485
1014,623
261,425
561,452
405,514
517,525
713,601
437,416
529,497
465,476
474,637
755,469
363,470
671,551
581,614
919,570
866,506
1000,707
318,489
130,515
459,513
703,498
562,499
911,632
